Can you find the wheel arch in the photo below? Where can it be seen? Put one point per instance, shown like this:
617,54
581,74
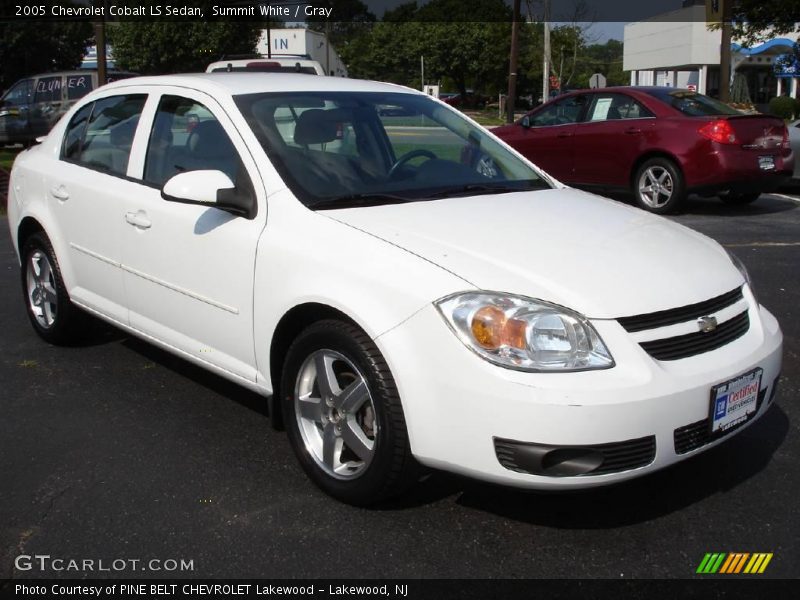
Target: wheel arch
27,227
654,153
294,321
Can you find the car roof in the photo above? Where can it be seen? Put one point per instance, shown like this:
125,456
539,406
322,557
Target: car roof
260,59
630,88
248,83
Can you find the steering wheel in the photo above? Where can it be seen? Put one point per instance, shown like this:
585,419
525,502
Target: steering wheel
407,157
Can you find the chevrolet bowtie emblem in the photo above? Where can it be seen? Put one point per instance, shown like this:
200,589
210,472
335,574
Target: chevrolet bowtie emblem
707,324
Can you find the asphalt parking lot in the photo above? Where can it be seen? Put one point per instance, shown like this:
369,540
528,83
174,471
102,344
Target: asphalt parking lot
117,450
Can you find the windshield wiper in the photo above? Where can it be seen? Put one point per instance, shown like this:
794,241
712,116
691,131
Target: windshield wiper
354,200
474,189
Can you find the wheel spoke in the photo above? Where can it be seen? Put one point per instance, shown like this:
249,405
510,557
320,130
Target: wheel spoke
36,268
49,294
646,189
663,178
331,446
353,397
326,379
355,439
311,409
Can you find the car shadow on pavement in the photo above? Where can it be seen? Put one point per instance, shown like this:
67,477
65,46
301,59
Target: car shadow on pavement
672,489
713,206
697,205
199,375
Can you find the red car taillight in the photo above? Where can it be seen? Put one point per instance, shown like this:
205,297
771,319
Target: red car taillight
718,131
785,140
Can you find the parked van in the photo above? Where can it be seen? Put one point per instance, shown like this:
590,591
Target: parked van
33,105
273,64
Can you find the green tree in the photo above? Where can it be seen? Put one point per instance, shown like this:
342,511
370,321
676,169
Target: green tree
34,47
465,43
755,20
180,46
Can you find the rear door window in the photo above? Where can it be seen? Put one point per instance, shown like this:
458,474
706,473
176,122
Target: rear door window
104,141
614,107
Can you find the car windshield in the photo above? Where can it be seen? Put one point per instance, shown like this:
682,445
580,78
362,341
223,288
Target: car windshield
344,149
693,104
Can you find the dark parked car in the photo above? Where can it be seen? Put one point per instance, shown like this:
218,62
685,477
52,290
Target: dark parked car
471,100
32,105
660,143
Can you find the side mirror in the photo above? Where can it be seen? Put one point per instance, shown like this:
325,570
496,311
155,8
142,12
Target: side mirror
525,122
209,188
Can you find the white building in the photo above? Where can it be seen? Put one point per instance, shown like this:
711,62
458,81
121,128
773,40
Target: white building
677,49
302,42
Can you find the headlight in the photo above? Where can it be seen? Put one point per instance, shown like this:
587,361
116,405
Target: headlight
743,270
524,334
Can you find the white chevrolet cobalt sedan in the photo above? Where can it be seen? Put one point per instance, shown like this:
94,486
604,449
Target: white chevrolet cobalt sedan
401,286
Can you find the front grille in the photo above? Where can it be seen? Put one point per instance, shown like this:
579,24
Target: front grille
672,316
616,456
698,434
691,344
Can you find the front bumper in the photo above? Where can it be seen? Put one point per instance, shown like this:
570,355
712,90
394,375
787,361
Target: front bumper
457,405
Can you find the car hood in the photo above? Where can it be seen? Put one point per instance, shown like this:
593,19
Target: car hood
596,256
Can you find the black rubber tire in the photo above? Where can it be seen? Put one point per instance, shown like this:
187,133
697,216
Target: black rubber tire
67,324
392,469
678,187
739,199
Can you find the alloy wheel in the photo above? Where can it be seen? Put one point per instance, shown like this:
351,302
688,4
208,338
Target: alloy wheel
41,286
656,186
335,414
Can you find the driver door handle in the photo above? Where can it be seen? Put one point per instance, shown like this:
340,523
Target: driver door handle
633,130
565,134
138,219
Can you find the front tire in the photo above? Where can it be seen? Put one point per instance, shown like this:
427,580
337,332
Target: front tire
53,315
659,186
343,415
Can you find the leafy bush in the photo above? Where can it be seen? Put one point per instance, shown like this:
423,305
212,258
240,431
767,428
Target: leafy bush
783,107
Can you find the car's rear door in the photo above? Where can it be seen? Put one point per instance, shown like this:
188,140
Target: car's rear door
188,269
86,187
612,135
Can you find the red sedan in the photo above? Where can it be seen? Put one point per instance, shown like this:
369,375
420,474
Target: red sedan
659,143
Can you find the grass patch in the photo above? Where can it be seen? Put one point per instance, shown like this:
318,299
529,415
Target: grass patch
7,156
486,118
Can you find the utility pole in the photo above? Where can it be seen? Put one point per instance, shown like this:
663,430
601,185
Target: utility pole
725,53
422,72
328,48
100,44
546,65
512,65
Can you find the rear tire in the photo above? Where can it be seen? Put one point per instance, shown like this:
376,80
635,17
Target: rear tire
739,199
659,187
347,426
53,315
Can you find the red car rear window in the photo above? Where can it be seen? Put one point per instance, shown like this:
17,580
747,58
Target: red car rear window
692,104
